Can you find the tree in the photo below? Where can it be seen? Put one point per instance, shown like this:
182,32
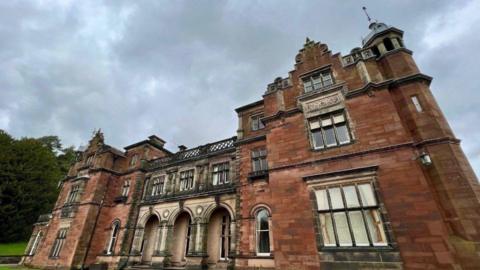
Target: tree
29,172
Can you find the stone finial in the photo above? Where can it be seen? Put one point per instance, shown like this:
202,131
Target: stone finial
97,138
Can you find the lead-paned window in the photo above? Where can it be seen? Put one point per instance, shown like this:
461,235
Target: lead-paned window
329,130
257,122
350,216
58,244
73,194
158,185
317,81
220,173
259,160
186,180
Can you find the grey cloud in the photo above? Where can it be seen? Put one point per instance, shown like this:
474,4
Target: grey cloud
178,69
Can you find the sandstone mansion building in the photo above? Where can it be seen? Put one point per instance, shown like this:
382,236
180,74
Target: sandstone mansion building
347,163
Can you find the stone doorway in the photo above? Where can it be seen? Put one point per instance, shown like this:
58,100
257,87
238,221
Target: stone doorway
149,239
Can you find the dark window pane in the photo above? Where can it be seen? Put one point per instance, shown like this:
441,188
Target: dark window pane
330,136
317,139
264,242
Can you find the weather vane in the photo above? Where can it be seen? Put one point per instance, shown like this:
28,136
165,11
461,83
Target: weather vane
366,13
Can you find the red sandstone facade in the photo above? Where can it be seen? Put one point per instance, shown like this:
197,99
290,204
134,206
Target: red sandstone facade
348,163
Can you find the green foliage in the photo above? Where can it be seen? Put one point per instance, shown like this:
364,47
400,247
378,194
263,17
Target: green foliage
13,248
29,172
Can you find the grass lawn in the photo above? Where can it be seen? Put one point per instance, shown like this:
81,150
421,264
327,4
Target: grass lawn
14,267
12,249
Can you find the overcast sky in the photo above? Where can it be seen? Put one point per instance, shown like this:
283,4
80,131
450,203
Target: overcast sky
178,69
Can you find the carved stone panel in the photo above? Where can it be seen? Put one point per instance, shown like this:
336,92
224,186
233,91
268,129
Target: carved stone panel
323,104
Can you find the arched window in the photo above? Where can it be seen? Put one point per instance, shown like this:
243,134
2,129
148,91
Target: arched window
262,228
113,237
37,240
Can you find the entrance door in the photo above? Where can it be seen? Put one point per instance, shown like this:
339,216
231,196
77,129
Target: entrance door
149,237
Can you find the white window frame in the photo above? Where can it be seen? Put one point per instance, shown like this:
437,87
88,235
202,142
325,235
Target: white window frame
258,231
310,82
58,243
416,103
158,185
115,228
73,194
259,154
256,122
325,206
126,187
35,244
185,185
335,120
218,174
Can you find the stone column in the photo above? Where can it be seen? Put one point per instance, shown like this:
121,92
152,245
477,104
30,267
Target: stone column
162,238
395,43
167,244
137,241
381,48
233,228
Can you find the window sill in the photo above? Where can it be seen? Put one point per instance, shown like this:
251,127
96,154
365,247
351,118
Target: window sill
331,147
385,248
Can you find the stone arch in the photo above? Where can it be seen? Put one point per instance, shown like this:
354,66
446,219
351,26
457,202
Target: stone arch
210,209
175,213
144,219
258,207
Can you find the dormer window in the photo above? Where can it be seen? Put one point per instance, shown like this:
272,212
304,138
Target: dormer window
317,81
